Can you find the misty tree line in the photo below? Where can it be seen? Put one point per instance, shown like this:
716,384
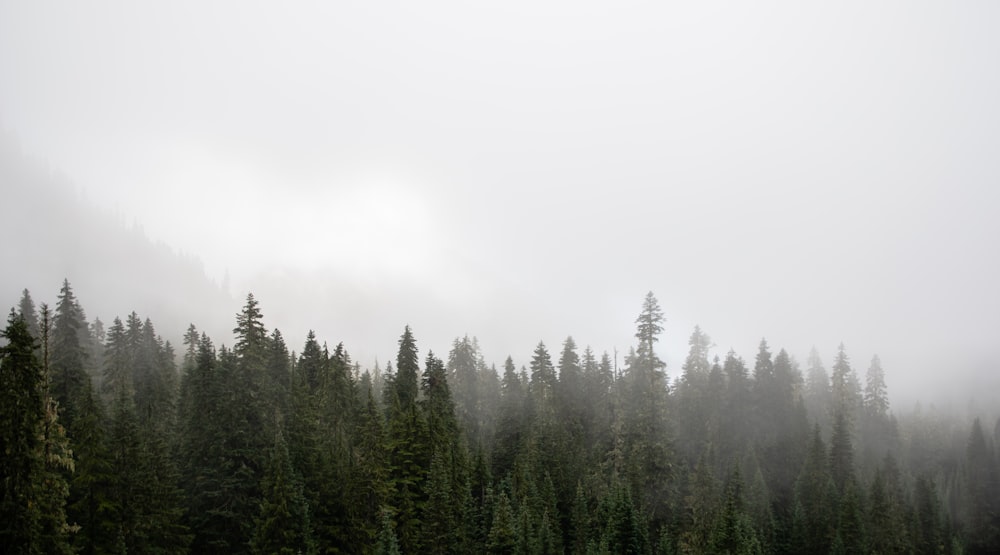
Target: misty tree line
114,443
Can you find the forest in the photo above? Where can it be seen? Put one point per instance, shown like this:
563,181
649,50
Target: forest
116,441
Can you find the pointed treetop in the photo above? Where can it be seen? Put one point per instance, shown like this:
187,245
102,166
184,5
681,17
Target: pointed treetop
876,395
763,367
407,369
249,330
649,327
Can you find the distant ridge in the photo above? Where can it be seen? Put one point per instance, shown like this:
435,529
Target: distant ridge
51,231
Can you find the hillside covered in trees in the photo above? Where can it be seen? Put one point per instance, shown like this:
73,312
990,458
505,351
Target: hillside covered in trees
116,441
110,257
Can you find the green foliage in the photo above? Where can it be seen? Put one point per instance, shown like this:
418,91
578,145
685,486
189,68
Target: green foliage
841,451
34,450
388,544
283,522
733,531
814,514
577,458
982,517
502,539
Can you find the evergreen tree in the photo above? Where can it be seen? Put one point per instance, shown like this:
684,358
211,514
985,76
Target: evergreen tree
439,410
818,396
841,452
733,531
982,516
407,371
649,326
815,501
646,434
283,522
409,452
26,310
35,451
851,530
503,535
876,398
388,543
511,415
927,536
370,485
625,532
543,383
68,355
846,389
886,517
202,453
464,362
439,522
88,505
692,392
278,377
123,442
698,509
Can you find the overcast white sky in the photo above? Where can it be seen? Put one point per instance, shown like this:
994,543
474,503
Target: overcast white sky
528,170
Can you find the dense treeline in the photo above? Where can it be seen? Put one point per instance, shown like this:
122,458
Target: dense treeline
115,443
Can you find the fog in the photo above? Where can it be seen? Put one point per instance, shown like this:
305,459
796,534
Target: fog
523,172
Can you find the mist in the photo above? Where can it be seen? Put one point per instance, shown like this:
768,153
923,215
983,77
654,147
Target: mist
816,176
809,175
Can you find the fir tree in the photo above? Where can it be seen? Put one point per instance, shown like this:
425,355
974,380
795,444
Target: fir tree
841,452
26,310
35,451
282,525
409,453
982,516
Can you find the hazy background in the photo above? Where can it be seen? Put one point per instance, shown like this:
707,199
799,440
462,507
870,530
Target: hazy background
525,171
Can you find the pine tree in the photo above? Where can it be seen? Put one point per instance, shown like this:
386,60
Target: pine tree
543,383
123,443
580,524
698,509
409,453
439,410
388,543
278,376
692,390
68,355
886,517
841,452
439,526
846,389
407,370
814,494
876,399
503,534
851,530
649,326
202,453
464,376
982,516
733,531
89,506
35,451
648,439
624,532
928,539
818,396
282,525
242,417
370,484
26,310
146,502
511,416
